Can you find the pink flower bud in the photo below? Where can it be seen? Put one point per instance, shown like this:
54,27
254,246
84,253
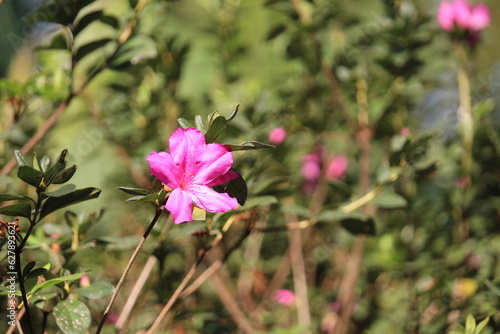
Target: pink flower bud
404,131
84,281
311,169
337,168
277,136
284,297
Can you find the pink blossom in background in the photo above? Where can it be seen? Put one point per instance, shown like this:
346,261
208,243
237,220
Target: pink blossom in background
284,297
337,168
462,14
277,136
84,281
190,169
404,131
311,167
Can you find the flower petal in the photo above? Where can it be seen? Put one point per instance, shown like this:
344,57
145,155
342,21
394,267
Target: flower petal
180,204
230,175
479,18
215,162
210,200
163,168
445,16
462,11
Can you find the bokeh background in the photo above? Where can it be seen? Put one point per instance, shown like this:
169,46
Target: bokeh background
343,78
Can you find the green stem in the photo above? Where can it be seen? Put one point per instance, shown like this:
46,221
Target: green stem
20,277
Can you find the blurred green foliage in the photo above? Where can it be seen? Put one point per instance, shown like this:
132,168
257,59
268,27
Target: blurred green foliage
342,76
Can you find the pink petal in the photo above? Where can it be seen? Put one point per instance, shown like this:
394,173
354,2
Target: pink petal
277,136
337,168
210,200
180,204
230,175
163,168
215,162
479,18
311,171
461,12
445,16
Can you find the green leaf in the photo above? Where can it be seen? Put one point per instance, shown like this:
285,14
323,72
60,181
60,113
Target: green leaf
36,272
17,210
27,268
30,175
470,324
44,163
96,290
359,224
64,176
54,203
249,145
216,127
259,201
11,197
236,188
198,121
136,49
135,191
72,316
389,200
233,113
60,192
20,158
58,166
481,325
184,123
55,281
142,198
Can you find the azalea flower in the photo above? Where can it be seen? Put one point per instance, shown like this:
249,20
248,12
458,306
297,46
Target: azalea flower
284,297
337,167
277,136
463,15
190,169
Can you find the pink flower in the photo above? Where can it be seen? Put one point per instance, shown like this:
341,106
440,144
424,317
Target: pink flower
277,136
190,169
311,167
404,131
461,14
284,297
84,281
337,168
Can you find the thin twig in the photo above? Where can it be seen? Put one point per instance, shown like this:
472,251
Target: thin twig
127,269
177,293
134,294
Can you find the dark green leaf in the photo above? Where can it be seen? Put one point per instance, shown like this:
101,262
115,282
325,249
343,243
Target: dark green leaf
142,198
96,290
135,191
216,127
64,175
58,166
36,272
198,121
360,225
17,210
258,201
86,16
30,175
61,191
54,203
10,197
28,267
72,316
249,145
236,188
